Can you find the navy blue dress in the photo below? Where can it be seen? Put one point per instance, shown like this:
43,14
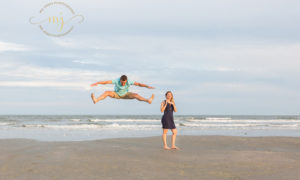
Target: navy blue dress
167,119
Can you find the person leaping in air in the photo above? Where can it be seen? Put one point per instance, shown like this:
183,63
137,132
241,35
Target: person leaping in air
121,90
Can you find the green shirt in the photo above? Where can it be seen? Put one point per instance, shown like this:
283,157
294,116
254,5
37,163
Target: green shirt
119,89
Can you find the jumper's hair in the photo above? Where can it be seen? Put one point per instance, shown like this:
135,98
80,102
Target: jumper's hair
123,78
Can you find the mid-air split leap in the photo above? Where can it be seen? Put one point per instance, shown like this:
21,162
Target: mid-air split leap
121,90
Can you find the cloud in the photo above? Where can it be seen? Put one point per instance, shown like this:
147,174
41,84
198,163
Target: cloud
246,87
105,43
91,62
73,85
34,76
26,71
7,46
66,42
262,59
24,75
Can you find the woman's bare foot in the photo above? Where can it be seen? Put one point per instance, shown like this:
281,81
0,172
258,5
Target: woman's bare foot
93,98
151,99
174,147
166,148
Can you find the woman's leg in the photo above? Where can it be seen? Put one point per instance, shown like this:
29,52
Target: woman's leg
174,131
164,138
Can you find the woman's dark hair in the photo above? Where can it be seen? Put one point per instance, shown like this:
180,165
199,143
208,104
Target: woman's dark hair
123,78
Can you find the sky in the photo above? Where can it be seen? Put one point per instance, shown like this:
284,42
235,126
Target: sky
217,57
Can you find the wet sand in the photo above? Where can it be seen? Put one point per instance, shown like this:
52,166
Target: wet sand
200,157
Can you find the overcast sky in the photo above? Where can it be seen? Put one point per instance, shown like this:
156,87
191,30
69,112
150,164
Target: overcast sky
218,57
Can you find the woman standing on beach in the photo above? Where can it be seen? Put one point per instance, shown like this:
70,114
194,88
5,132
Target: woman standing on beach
167,120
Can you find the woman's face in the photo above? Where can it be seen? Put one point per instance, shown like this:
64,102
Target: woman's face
169,96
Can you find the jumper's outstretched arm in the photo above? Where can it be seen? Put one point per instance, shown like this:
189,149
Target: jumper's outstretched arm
143,85
102,82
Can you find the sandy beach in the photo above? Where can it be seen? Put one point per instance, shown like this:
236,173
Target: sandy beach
200,157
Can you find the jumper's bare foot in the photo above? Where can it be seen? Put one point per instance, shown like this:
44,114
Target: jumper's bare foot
151,99
174,147
93,98
166,148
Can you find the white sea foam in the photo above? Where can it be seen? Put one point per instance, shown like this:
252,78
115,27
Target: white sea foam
285,125
76,120
219,125
92,126
218,118
131,126
242,125
124,120
247,120
155,126
5,123
75,126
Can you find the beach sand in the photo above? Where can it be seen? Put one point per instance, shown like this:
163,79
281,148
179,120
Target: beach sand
200,157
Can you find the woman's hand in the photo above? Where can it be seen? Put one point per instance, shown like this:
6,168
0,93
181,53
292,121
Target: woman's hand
172,102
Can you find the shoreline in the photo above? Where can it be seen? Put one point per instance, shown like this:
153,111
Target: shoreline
146,137
199,157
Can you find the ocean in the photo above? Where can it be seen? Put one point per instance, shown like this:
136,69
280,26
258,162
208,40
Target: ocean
92,127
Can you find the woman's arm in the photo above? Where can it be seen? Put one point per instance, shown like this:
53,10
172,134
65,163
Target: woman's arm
102,82
163,106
